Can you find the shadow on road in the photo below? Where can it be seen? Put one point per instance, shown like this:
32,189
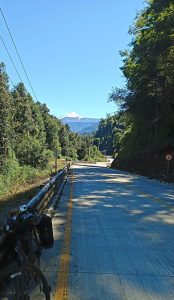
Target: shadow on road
122,243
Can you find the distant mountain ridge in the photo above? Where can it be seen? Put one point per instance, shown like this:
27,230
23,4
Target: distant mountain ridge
79,124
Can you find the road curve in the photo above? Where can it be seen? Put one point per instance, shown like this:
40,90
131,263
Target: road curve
113,238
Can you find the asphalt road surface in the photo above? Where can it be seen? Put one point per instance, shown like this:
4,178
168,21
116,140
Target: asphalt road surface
114,238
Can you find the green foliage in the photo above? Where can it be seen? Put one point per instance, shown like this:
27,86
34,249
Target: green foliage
52,128
110,134
22,114
30,136
31,152
95,154
147,101
81,153
64,140
13,174
5,115
145,121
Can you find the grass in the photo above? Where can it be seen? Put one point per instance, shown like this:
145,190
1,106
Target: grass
19,184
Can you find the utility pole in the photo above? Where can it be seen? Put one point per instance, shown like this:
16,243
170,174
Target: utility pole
104,153
56,160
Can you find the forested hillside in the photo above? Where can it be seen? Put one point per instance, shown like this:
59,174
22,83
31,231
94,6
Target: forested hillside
146,104
108,133
30,137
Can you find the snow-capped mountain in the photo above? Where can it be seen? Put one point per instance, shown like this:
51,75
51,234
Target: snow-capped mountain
72,114
79,124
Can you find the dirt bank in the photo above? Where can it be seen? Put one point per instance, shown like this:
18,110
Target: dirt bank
153,165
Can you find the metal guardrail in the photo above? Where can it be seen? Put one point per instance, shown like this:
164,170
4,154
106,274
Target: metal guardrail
42,198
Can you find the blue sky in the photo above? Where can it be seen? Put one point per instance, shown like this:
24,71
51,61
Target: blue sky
69,49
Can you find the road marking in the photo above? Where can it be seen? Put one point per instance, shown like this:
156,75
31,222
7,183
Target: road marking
61,292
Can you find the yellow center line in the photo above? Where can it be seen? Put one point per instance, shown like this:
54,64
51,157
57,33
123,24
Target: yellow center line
61,292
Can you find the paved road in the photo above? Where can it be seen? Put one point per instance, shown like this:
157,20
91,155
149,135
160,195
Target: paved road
114,237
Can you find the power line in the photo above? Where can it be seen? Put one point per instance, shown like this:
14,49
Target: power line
17,53
10,58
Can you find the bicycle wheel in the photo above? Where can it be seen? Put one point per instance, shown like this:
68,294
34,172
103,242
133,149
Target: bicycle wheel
23,283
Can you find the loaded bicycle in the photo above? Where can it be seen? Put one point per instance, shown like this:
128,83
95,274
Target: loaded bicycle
24,234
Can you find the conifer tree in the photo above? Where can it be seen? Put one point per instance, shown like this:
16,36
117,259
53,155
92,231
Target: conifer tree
5,115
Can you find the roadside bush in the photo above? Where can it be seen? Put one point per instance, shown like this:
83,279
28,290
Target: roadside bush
95,155
13,175
31,152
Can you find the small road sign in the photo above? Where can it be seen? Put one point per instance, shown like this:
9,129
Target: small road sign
168,156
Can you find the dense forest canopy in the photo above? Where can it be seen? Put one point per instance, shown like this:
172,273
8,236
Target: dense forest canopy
143,128
146,113
144,122
30,135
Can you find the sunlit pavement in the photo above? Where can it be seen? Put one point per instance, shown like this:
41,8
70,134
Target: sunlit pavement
122,235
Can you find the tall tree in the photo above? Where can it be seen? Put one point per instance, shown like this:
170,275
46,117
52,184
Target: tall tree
148,68
30,137
5,114
64,140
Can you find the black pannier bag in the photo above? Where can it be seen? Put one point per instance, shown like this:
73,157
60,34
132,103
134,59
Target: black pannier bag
46,232
7,252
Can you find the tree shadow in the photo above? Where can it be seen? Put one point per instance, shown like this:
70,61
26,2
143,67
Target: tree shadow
122,241
122,246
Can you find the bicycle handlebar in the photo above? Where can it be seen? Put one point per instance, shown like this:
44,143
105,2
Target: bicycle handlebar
21,219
